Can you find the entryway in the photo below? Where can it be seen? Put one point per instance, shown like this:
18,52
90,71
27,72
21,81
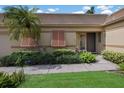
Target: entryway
83,42
88,41
91,42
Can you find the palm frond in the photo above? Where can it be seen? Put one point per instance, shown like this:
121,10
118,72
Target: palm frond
22,22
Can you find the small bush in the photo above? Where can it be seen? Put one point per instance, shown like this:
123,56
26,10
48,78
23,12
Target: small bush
47,58
115,57
27,58
60,52
5,81
87,57
4,61
31,58
11,81
17,78
10,60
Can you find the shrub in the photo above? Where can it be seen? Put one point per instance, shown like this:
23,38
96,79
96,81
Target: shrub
27,58
11,81
87,57
68,59
82,57
4,61
59,56
121,65
60,52
9,60
31,58
17,78
47,58
115,57
5,81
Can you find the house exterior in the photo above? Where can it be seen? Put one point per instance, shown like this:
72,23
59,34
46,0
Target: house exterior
93,33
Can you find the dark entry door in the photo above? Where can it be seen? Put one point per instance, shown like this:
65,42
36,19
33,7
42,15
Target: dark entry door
91,42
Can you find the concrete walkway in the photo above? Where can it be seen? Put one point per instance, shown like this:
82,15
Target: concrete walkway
100,65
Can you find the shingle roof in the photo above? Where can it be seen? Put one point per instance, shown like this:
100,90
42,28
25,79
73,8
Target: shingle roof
117,16
96,19
79,19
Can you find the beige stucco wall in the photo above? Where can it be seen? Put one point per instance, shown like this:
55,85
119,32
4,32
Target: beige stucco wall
46,37
98,44
114,37
70,38
45,41
70,34
5,45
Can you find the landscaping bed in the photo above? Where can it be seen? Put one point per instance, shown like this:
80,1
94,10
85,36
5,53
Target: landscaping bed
58,56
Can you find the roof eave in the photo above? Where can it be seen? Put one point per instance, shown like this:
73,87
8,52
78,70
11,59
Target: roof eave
113,21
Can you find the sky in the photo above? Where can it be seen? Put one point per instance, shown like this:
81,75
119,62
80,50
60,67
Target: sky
75,9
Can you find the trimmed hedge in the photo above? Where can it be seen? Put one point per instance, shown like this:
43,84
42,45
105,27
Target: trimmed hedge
115,57
60,52
59,56
68,59
11,81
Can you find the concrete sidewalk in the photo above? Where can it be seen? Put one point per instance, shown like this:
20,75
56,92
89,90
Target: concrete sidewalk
100,65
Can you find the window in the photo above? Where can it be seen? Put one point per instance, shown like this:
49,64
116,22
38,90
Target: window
82,42
99,37
58,39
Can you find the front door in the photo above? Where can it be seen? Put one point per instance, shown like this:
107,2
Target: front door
91,42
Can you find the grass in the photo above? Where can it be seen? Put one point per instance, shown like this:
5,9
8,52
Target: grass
75,80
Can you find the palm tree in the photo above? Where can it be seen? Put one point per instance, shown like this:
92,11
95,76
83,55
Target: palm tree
91,10
23,23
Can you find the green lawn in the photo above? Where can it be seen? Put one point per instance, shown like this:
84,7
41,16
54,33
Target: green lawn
75,80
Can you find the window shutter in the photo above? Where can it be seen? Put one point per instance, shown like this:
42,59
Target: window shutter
55,38
58,39
61,39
